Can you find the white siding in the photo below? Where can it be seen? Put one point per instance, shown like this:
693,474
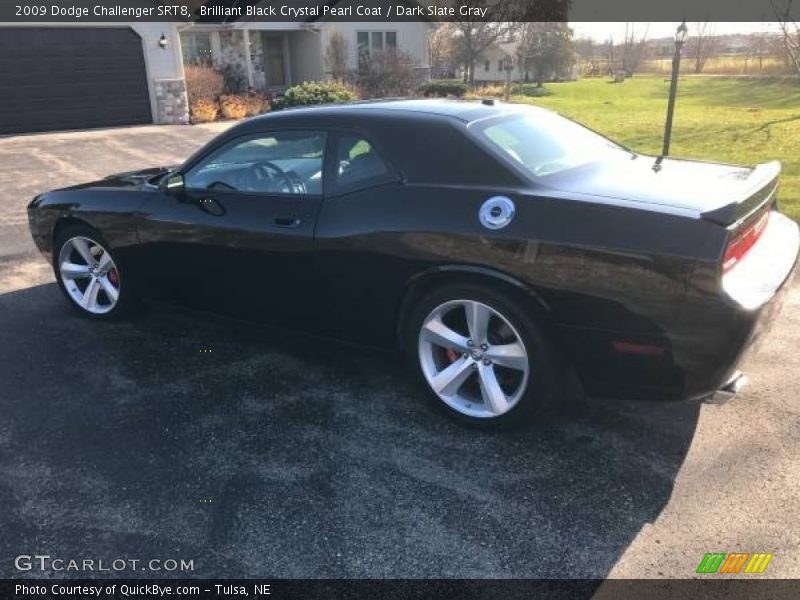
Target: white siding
305,56
162,63
412,37
494,56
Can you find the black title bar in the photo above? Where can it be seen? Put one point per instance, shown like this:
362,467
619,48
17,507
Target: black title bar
399,589
312,11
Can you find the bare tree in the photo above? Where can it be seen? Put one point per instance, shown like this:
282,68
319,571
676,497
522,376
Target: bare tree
759,47
546,49
633,48
336,56
388,73
790,31
611,56
587,51
476,37
703,44
443,48
501,19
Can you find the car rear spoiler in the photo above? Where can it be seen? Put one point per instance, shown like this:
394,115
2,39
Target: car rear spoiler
758,188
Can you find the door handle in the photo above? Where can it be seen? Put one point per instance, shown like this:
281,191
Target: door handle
287,221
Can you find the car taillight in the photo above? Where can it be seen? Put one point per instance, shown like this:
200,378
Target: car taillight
743,240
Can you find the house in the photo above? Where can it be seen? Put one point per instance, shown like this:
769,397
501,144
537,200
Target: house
78,75
491,66
274,55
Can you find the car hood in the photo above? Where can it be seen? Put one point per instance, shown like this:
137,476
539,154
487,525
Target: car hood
142,176
128,179
677,183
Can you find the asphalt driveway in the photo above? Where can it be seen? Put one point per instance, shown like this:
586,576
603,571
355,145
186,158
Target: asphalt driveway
255,453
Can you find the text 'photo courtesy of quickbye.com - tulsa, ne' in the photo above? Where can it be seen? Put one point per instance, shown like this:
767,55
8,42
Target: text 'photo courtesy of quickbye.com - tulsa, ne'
399,299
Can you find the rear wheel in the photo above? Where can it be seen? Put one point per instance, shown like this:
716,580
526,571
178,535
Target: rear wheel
482,356
89,274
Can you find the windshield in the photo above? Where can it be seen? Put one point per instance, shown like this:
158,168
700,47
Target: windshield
545,143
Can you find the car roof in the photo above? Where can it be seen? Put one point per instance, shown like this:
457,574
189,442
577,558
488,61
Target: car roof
466,111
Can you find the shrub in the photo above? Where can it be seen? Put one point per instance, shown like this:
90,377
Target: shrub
530,90
203,82
233,78
314,92
203,110
490,90
336,56
389,73
233,106
256,104
441,88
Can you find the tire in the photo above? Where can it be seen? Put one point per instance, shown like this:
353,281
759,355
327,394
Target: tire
466,377
84,263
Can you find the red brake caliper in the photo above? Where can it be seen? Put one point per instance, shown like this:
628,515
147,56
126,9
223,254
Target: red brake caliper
451,355
113,277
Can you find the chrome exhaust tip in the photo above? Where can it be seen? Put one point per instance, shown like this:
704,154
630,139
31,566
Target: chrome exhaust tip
729,390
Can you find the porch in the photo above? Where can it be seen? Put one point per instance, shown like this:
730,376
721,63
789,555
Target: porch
264,59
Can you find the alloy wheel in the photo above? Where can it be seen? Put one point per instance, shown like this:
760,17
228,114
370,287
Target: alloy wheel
473,358
89,275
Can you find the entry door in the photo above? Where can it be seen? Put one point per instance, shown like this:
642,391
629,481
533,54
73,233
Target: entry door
239,240
274,60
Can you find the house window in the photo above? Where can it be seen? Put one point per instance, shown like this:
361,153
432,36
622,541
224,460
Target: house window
501,65
486,66
375,41
196,47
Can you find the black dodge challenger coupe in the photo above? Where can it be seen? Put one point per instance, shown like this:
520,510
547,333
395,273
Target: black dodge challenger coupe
494,244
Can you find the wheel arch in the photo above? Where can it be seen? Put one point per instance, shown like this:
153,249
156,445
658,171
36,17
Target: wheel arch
426,281
66,221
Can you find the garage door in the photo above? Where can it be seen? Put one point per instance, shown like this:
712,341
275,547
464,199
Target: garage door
71,78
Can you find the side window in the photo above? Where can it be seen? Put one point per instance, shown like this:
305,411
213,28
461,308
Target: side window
358,161
288,162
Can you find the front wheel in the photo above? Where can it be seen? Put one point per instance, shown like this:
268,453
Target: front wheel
482,356
89,275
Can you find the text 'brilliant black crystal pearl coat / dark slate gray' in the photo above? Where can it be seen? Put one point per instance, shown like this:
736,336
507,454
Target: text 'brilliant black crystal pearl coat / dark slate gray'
494,244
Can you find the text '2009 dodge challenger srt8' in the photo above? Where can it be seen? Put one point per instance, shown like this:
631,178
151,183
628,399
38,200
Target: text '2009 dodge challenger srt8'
493,243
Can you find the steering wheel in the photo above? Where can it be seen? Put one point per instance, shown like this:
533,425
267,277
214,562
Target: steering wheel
266,172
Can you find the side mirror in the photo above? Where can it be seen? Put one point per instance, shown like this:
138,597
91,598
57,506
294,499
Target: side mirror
175,184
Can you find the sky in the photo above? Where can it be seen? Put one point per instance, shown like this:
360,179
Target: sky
602,31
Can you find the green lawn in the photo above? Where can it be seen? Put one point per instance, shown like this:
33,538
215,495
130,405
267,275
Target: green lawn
737,120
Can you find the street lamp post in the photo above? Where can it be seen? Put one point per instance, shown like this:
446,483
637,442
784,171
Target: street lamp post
508,66
680,40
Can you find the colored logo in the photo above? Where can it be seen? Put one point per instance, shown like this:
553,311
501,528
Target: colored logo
738,562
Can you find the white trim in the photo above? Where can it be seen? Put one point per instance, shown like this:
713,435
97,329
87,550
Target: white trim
247,57
177,52
287,63
151,83
216,48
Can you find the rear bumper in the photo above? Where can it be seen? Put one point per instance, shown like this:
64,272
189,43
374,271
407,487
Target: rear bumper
697,355
752,298
767,267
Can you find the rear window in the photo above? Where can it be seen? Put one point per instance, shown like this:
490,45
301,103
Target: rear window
545,143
